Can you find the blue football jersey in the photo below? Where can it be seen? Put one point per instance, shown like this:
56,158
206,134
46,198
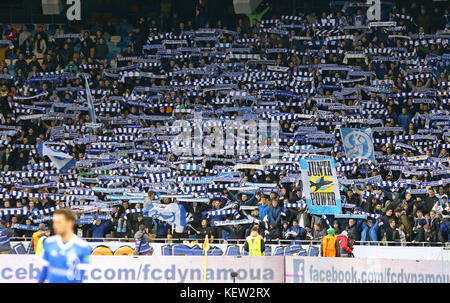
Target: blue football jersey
65,262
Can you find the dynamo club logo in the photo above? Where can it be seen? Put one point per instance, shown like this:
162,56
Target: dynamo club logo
358,143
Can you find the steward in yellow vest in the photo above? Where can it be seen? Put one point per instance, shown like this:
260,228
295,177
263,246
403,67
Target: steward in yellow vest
40,245
254,243
35,238
330,245
37,235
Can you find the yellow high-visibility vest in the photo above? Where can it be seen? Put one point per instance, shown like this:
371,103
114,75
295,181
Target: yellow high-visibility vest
254,245
36,236
40,246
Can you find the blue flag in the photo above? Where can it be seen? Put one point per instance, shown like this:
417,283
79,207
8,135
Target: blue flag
61,160
173,213
358,143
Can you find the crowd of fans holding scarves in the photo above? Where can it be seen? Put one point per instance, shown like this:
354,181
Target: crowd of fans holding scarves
313,74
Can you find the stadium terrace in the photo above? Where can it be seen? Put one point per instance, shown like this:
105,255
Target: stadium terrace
128,125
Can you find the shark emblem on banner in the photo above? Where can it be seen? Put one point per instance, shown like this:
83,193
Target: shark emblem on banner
319,184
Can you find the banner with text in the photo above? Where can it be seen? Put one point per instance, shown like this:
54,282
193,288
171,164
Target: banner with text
181,269
320,186
362,270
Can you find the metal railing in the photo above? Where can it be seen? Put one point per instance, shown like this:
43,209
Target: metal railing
241,241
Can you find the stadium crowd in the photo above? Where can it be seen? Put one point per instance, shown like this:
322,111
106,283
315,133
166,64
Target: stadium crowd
312,73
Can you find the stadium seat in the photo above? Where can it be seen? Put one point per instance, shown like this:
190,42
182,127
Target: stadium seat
49,33
11,56
44,26
123,44
53,27
17,26
302,253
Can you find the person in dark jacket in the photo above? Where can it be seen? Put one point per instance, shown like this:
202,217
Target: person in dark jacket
101,50
7,160
419,232
404,118
26,233
20,161
295,232
236,232
195,209
51,62
162,229
353,198
85,50
386,218
28,47
216,230
205,230
429,201
353,229
428,235
275,213
98,229
318,232
435,226
273,235
140,219
391,233
21,63
65,55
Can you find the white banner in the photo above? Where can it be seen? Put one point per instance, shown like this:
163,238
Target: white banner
446,255
181,269
399,252
358,270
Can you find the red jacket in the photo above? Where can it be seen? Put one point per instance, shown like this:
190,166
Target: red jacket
343,243
12,35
